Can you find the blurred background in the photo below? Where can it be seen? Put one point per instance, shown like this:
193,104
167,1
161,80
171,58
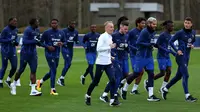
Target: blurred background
87,12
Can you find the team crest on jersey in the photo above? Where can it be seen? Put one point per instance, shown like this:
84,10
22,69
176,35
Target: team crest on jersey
189,40
71,38
59,35
136,35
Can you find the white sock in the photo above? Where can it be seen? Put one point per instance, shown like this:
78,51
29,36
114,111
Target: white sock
41,81
125,88
123,81
8,78
105,94
187,95
165,89
33,87
115,95
86,95
61,77
1,81
18,80
164,84
111,100
135,86
14,82
53,89
150,91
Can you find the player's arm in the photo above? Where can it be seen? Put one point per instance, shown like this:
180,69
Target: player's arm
63,40
141,39
172,40
100,44
85,41
129,42
3,37
76,38
159,43
27,41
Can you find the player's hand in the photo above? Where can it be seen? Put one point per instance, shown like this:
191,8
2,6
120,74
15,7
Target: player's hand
60,44
112,58
51,48
180,52
191,46
113,45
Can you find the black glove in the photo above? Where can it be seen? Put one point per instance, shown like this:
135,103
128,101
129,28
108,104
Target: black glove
14,42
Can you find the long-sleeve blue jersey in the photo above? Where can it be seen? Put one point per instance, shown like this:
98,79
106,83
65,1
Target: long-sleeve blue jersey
90,42
70,37
121,49
29,40
132,38
185,39
8,35
50,38
163,45
144,43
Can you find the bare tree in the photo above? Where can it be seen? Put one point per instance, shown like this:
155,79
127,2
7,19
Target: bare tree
1,14
172,10
79,14
182,11
121,7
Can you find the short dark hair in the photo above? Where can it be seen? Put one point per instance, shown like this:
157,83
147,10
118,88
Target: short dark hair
54,19
125,23
32,21
166,22
188,19
10,19
139,20
123,18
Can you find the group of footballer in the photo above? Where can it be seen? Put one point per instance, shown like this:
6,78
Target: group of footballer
116,46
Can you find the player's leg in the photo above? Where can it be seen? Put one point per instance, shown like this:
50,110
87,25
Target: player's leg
118,75
125,70
95,81
92,65
91,61
33,62
46,76
162,66
13,62
184,71
4,64
150,72
67,63
113,90
168,73
23,63
53,66
173,81
139,65
137,82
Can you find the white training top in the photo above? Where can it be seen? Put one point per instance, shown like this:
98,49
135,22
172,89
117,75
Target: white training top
104,49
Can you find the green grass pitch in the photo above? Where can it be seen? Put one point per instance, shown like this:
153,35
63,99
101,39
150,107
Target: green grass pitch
71,97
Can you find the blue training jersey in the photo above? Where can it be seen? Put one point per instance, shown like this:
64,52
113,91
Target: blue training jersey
50,38
132,38
29,42
90,42
184,38
70,37
121,49
164,48
144,43
7,36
